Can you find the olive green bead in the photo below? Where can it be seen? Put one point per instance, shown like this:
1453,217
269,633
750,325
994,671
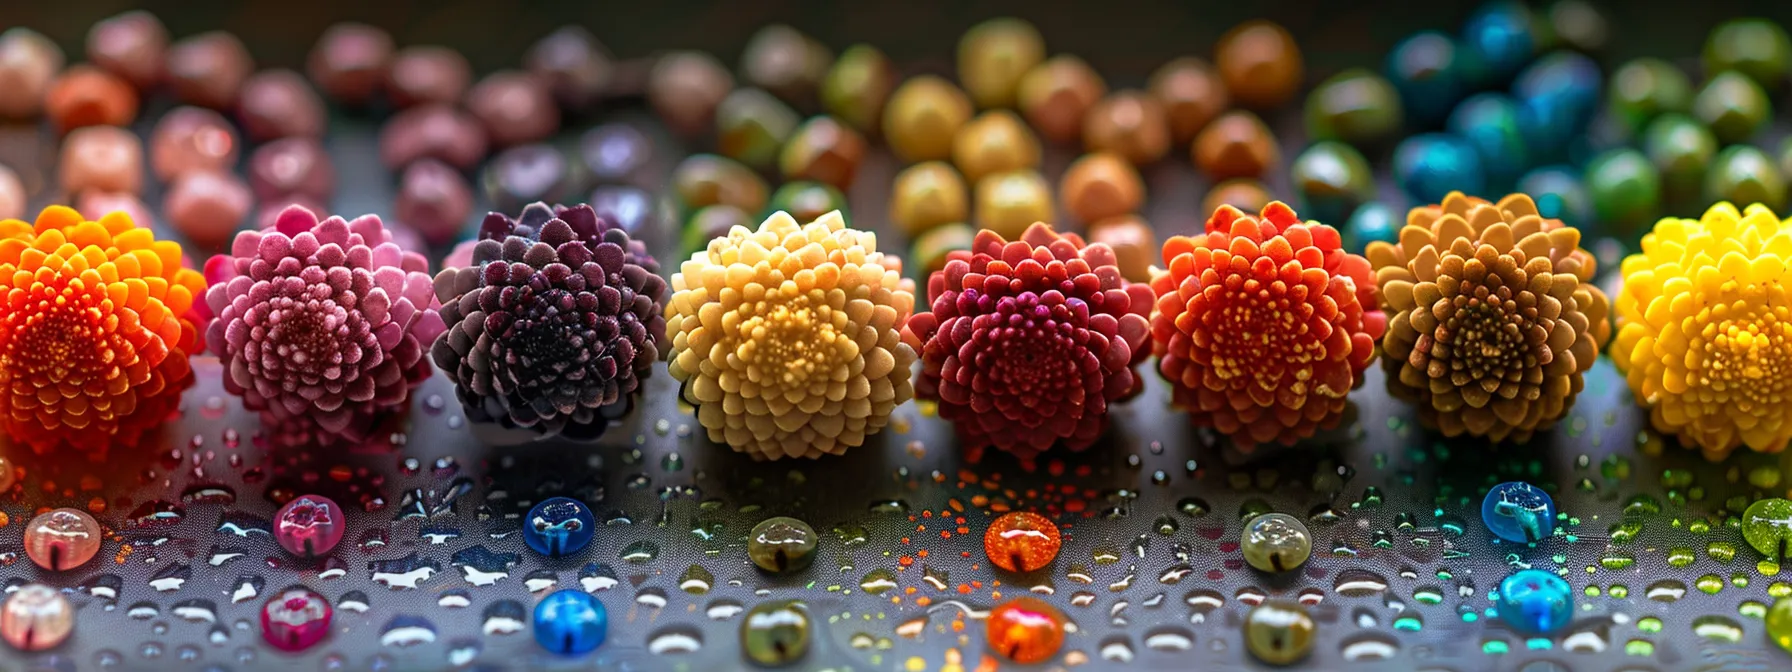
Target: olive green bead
1279,632
781,544
1276,542
1744,175
1008,203
1786,158
1626,188
712,222
926,195
857,86
1757,48
1331,178
994,55
1778,623
1734,106
808,200
1767,526
707,179
776,633
1680,148
931,248
1646,88
752,125
1356,106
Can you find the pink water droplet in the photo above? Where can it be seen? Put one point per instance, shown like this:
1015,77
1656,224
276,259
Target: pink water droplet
296,618
309,526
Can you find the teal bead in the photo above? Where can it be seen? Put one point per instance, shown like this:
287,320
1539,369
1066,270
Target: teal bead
1535,602
1331,179
1680,148
1356,106
1429,167
1489,122
1560,194
1743,175
1557,96
1734,106
1373,221
1427,70
1646,88
1757,48
1626,188
1498,39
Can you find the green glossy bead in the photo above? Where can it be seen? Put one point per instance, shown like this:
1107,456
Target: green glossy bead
775,633
1779,623
930,249
857,86
1646,88
1743,175
1680,148
781,544
712,222
1279,632
1356,106
1734,106
707,179
1276,542
1786,158
752,125
808,200
1767,526
1755,47
1331,179
1626,188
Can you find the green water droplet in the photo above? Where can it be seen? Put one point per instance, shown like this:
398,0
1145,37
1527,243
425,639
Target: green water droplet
1721,551
1648,624
1675,478
1495,647
1767,568
1752,609
1615,467
1681,556
1428,595
1106,555
1640,647
1409,622
878,581
696,580
1617,561
1642,504
1717,628
1618,591
1710,584
1765,477
1625,531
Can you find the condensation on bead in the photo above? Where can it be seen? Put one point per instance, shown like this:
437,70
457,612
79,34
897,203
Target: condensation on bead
295,619
1535,602
1279,632
1022,541
570,622
1026,630
309,526
781,545
36,617
559,526
62,539
1519,512
1276,542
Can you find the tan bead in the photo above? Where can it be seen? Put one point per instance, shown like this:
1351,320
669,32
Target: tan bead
1101,185
927,195
1008,203
1128,123
825,150
131,45
1260,64
995,142
1237,144
1057,94
994,55
107,158
209,69
685,88
1243,193
192,139
28,64
1133,242
922,118
1192,94
88,96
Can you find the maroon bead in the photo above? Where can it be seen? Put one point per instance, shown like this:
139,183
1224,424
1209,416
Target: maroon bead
349,61
28,64
515,108
280,104
434,200
131,45
433,131
95,204
428,74
206,207
292,167
615,152
208,69
105,158
190,139
685,88
574,65
525,174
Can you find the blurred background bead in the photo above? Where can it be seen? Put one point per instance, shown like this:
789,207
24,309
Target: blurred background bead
1560,194
995,142
427,74
1244,193
994,55
12,197
927,195
1428,167
808,200
515,107
1557,96
784,61
96,204
570,622
575,66
1497,40
1026,630
278,103
930,249
1680,148
209,69
706,179
309,526
1008,203
614,152
1101,185
189,139
1356,106
1734,106
61,539
29,63
752,125
1128,123
9,472
713,221
1134,244
295,619
36,617
131,45
1626,189
775,633
631,208
685,87
1645,88
1260,64
1535,602
1192,95
432,131
434,200
1237,144
1427,69
1579,25
857,86
349,61
923,116
1757,48
1743,174
1279,632
1330,180
1490,123
291,166
107,158
825,150
525,174
88,96
206,207
1785,157
1373,221
1057,94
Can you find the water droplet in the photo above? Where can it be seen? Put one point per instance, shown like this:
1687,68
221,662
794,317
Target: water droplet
878,581
675,640
696,580
405,630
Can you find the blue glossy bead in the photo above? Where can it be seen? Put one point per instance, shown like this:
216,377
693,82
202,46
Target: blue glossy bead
1489,122
1535,602
559,526
1373,221
1497,40
570,622
1429,167
1557,97
1427,71
1560,194
1518,511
